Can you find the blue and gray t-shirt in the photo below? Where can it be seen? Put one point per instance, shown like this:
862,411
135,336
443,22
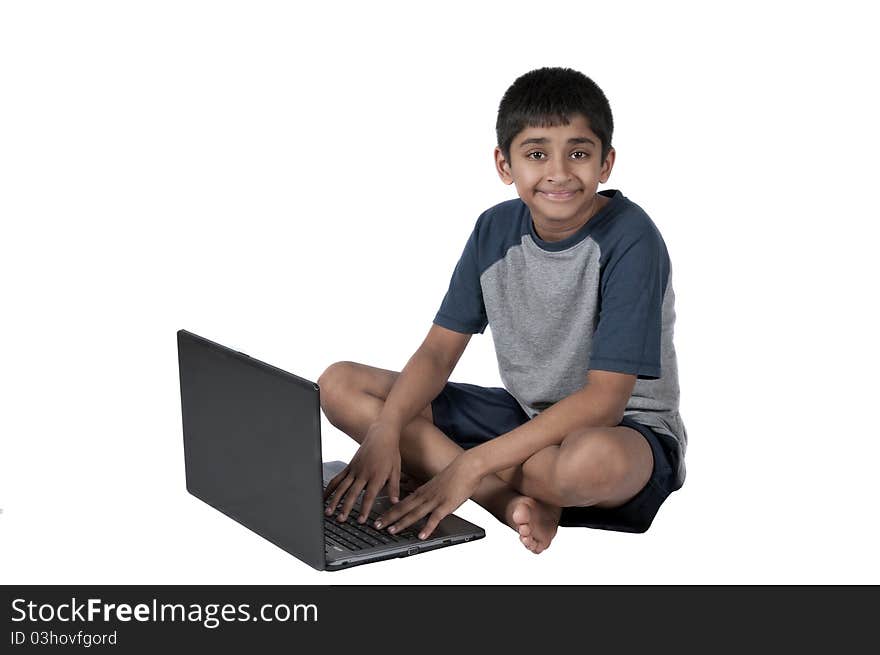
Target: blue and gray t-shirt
600,299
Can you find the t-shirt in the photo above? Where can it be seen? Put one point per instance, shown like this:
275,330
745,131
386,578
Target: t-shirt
600,299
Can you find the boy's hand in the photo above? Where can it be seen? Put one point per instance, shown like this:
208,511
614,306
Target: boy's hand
375,462
440,496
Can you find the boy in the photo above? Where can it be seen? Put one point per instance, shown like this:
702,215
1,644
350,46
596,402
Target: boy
576,287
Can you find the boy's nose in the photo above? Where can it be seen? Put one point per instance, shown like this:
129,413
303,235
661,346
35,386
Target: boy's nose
558,171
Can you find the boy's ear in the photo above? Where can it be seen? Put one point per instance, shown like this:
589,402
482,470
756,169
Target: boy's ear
503,167
607,165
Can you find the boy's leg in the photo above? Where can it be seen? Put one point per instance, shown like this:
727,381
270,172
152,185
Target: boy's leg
352,396
600,467
592,467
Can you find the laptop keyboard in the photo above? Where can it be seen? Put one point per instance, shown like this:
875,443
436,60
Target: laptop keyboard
352,535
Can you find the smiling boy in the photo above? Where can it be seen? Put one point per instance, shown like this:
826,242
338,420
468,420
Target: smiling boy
576,286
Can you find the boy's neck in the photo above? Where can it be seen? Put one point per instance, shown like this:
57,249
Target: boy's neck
549,234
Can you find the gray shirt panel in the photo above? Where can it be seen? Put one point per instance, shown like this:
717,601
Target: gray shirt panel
542,338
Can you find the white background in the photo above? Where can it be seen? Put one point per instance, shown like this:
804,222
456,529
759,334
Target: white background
297,180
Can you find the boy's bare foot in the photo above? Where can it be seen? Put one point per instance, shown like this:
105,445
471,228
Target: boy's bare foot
535,522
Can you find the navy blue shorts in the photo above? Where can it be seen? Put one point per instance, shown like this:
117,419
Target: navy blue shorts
470,415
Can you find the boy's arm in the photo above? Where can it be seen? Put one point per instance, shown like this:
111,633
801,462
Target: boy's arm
600,403
377,461
423,377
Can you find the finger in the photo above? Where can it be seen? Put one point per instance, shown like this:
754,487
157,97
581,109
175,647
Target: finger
335,481
369,497
338,494
411,517
417,497
351,497
435,518
394,485
398,510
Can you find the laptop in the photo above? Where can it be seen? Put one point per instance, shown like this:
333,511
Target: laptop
252,449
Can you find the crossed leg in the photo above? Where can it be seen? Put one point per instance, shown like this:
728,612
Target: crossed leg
604,467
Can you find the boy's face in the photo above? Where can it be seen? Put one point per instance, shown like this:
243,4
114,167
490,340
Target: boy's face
557,171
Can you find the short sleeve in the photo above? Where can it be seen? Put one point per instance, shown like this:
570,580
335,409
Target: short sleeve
462,309
629,330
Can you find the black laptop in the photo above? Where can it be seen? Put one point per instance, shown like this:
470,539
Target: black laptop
252,448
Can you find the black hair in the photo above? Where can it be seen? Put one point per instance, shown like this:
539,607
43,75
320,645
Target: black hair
547,97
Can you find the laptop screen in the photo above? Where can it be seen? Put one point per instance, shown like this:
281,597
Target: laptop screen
252,444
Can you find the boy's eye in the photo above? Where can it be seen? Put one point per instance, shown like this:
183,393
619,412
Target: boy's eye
537,155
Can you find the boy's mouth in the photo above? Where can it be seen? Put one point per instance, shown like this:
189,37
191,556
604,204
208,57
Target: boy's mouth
561,195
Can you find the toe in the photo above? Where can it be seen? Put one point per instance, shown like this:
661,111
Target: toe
521,514
525,530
